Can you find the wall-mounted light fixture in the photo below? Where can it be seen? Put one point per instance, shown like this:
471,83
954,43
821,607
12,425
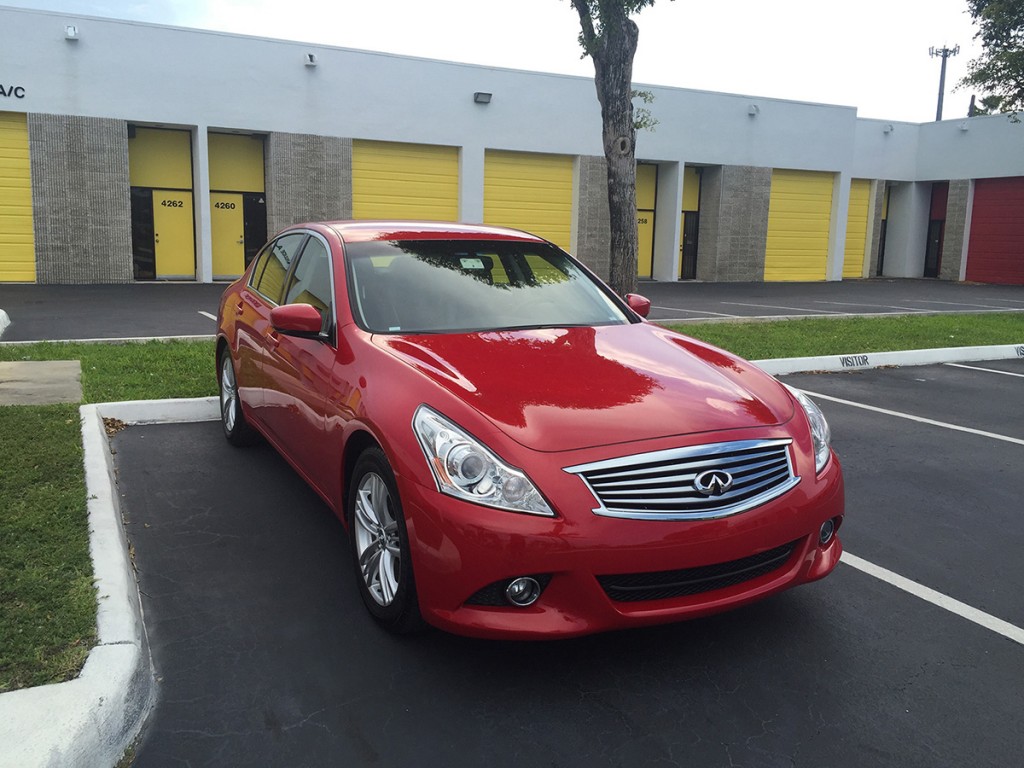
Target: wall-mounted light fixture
482,97
753,110
311,60
888,128
70,32
965,126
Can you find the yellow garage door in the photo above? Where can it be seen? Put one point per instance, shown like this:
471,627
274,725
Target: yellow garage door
646,203
531,192
404,181
856,252
799,214
17,240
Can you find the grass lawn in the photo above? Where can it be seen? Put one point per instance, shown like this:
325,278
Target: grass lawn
47,604
840,336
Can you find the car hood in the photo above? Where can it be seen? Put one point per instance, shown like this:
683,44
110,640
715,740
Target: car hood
562,389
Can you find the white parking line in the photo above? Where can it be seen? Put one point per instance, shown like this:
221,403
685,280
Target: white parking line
945,602
882,306
696,311
791,309
207,314
986,370
919,419
957,304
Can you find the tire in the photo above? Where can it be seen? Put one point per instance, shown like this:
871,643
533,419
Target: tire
237,430
380,544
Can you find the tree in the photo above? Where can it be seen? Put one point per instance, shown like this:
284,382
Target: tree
609,36
1000,68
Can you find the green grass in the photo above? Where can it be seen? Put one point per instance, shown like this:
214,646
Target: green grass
154,370
47,604
812,337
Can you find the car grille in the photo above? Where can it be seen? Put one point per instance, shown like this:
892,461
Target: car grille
664,485
661,585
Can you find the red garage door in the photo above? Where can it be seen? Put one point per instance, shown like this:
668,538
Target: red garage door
996,251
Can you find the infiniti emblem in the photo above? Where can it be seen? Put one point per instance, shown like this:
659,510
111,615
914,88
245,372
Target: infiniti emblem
714,482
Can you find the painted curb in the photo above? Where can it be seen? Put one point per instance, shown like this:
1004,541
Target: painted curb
832,363
92,719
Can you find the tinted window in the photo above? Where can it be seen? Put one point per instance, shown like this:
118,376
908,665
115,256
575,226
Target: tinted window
273,264
431,286
311,280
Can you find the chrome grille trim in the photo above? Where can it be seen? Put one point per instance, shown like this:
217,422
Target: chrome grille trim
660,485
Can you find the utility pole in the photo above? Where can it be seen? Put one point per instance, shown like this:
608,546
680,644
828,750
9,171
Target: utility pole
945,53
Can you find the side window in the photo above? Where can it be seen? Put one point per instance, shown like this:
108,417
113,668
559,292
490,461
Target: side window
273,264
311,280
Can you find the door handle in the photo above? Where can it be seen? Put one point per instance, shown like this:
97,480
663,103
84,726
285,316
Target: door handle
241,242
239,308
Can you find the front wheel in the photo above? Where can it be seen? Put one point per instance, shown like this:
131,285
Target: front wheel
236,429
380,544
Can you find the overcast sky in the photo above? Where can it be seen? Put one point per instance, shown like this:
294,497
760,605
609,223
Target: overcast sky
870,54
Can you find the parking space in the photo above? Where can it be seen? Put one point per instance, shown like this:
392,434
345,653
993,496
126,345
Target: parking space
731,301
265,655
136,310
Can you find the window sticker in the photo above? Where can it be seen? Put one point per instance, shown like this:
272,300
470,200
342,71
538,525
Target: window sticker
471,263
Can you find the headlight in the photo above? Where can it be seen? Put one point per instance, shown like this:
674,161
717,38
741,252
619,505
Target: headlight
820,432
465,468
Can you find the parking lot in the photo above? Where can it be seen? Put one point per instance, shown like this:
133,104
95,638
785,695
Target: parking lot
265,656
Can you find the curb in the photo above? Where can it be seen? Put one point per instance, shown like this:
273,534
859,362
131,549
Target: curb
5,320
94,718
832,363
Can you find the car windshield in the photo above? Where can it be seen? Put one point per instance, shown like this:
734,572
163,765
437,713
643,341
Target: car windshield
438,286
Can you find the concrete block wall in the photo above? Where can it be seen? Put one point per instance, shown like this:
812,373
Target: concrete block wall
955,233
309,178
733,223
81,199
593,221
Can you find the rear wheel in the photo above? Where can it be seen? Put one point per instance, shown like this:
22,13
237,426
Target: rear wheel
236,429
380,544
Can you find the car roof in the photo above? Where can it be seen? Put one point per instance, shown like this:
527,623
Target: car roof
367,231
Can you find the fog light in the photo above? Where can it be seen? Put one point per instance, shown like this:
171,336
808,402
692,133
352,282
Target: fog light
523,591
825,534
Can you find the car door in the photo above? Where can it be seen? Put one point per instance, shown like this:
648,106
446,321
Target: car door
251,310
297,370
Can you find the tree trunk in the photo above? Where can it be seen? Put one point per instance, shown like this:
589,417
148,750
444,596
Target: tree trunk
613,66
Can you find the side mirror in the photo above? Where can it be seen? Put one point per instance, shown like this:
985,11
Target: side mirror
639,304
302,320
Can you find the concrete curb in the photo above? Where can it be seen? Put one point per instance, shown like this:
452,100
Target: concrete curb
5,320
92,719
881,359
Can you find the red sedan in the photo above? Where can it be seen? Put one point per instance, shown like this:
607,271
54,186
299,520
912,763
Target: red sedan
514,450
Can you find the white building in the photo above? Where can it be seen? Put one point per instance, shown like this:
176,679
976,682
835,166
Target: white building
132,151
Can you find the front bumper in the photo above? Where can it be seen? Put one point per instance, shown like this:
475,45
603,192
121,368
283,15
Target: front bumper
460,548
